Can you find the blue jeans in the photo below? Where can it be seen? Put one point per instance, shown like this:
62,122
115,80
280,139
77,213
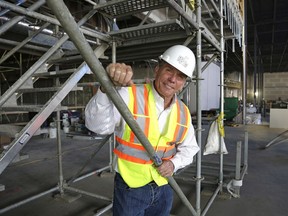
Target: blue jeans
149,200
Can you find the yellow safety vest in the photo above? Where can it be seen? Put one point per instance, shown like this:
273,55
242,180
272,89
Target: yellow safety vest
134,164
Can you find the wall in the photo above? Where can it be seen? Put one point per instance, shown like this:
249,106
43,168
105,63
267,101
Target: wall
275,86
210,89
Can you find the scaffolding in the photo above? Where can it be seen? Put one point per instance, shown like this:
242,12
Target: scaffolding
201,30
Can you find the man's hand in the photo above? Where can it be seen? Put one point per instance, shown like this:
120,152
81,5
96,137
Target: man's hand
120,74
166,168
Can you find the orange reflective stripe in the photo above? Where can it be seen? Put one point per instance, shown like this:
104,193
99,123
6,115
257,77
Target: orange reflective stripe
186,123
131,145
131,158
140,147
140,112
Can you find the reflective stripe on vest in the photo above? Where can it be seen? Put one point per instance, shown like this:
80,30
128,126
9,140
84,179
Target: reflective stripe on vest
136,153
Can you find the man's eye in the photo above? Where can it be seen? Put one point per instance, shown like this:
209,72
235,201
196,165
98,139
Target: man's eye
182,76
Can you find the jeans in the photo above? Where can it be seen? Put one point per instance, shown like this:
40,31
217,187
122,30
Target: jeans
149,200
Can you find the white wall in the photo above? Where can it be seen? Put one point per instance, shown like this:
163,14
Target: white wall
210,89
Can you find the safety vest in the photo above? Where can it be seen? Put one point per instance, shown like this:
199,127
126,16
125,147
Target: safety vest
134,164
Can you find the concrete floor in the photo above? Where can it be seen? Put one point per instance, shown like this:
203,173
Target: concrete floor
264,191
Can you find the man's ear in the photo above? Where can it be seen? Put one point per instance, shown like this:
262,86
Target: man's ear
182,87
156,69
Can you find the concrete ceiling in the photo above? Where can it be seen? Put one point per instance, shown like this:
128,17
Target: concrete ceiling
267,34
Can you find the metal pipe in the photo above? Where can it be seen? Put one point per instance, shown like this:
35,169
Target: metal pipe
39,63
255,67
273,141
22,202
180,11
210,14
219,13
196,25
145,18
21,44
76,190
205,210
51,20
189,39
244,171
3,12
209,62
112,145
113,52
91,173
17,19
59,153
103,210
222,44
199,107
26,133
28,46
103,142
245,161
244,80
238,166
68,23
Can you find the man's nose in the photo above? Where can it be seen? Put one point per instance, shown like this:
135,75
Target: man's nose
173,77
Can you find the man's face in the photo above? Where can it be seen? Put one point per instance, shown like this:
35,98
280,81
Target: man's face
168,80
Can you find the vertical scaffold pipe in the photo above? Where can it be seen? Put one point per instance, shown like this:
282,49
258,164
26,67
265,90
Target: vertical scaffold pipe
244,78
221,94
199,111
67,21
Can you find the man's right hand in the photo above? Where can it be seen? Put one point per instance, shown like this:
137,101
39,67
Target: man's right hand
120,74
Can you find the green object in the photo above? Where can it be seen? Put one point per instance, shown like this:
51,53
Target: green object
230,107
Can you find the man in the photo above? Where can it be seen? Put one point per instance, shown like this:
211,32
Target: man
140,187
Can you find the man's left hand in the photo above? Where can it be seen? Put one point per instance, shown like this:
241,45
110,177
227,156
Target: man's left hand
166,168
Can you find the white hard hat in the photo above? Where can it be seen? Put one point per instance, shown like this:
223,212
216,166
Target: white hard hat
180,57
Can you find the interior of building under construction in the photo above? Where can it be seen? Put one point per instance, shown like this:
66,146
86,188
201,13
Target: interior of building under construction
50,163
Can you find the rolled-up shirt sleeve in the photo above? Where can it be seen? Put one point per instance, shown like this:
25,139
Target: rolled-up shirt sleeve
101,116
186,150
